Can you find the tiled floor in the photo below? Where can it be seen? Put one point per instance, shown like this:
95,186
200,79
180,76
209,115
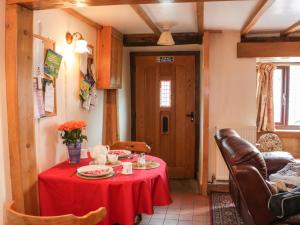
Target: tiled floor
188,208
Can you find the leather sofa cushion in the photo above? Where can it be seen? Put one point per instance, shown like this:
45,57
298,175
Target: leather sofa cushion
241,152
277,160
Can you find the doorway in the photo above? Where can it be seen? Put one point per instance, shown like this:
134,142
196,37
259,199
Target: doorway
165,108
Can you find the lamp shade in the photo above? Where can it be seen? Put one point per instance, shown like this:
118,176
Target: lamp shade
81,46
166,38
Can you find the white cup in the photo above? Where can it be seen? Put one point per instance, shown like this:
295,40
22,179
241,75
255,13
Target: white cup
127,168
112,158
100,159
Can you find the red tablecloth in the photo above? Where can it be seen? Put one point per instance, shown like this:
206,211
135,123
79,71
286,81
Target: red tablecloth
124,196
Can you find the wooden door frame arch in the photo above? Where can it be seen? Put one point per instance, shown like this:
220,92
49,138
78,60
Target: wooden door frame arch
196,54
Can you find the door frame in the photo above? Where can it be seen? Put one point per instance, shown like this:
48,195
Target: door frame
196,54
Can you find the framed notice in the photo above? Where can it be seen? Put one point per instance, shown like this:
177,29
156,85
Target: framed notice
44,83
52,63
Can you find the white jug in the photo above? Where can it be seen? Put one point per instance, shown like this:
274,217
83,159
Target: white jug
99,154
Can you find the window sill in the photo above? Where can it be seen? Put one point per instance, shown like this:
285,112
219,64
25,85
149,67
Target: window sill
288,133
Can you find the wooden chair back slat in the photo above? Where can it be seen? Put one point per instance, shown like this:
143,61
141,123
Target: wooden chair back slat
16,218
134,146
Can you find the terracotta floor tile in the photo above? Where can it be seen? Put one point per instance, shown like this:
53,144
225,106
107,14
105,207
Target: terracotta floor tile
156,221
172,216
170,222
173,211
158,216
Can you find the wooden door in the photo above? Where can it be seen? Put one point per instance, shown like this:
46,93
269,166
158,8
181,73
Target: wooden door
164,109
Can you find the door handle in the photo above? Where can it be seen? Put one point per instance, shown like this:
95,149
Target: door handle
191,115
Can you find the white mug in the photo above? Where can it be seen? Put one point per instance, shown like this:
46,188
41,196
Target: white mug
112,158
100,159
127,168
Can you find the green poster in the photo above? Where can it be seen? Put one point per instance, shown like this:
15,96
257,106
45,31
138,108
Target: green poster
52,63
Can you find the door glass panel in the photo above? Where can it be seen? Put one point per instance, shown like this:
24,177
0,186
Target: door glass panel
277,94
165,93
294,96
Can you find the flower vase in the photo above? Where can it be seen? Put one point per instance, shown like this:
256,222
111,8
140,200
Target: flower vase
74,150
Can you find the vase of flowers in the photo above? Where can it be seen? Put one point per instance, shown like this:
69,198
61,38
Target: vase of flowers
71,133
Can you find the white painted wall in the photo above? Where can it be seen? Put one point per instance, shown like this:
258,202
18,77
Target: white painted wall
5,193
232,89
54,24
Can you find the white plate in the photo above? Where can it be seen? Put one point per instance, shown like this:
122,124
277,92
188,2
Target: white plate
105,170
120,152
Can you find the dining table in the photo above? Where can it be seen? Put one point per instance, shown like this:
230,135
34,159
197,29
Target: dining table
61,191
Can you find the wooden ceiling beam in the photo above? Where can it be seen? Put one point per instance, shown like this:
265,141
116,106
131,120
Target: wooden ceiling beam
151,39
200,16
292,29
141,12
258,11
84,19
55,4
268,49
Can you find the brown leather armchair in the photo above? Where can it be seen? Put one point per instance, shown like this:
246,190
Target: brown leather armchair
249,170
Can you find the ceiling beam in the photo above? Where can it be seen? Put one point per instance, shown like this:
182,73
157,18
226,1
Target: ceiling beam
260,8
151,39
271,39
84,19
47,4
141,12
268,49
292,29
200,16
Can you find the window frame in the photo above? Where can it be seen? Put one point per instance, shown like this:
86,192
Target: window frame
283,124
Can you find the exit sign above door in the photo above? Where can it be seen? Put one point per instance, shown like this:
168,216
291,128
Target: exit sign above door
163,59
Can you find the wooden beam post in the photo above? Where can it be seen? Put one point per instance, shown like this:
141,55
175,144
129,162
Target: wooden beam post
52,4
293,28
260,8
200,16
110,117
83,18
141,12
205,114
18,66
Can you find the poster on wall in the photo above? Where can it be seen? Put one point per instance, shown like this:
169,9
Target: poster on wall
52,63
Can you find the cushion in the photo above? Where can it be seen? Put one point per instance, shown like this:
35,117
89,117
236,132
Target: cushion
285,204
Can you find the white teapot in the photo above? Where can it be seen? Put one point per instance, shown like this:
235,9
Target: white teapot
99,154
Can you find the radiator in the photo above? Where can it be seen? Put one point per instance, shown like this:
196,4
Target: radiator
248,133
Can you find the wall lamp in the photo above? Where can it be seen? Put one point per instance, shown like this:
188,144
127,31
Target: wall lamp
80,43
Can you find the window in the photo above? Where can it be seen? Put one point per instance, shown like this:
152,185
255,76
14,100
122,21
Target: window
286,97
165,93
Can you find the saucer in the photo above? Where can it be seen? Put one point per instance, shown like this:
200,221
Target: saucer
117,163
126,173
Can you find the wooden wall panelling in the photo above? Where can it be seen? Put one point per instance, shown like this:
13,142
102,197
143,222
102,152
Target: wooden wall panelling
18,59
205,115
268,49
110,117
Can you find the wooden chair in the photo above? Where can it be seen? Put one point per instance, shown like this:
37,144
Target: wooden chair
16,218
134,146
